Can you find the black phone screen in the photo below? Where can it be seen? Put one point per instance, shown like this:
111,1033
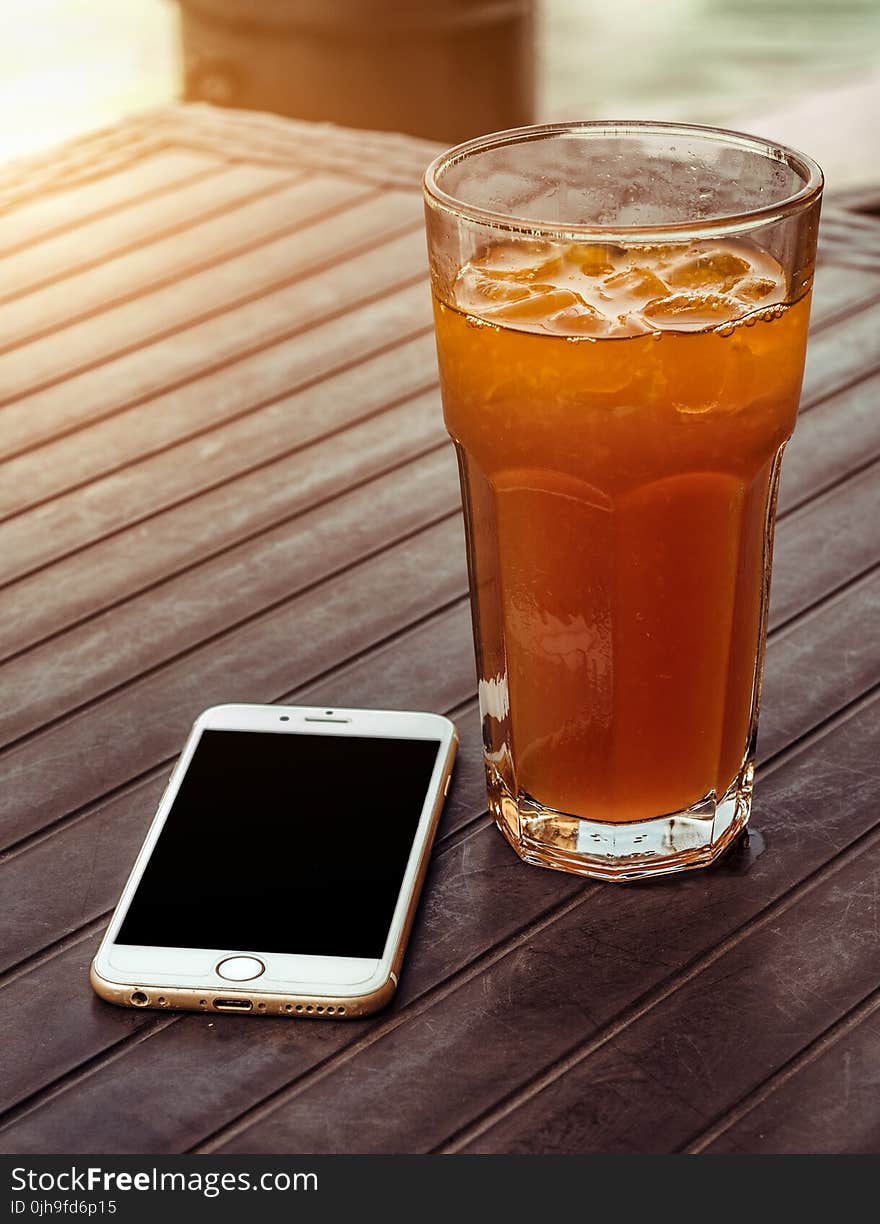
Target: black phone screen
284,842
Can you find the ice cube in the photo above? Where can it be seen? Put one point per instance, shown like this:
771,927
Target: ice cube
691,310
535,309
475,292
580,319
716,270
522,261
755,288
638,283
595,258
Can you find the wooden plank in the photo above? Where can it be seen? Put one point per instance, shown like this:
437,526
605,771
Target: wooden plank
242,227
850,220
796,698
852,240
833,438
113,647
450,682
827,537
82,663
405,673
192,530
838,639
55,211
51,795
402,674
91,878
860,257
95,393
283,647
573,986
219,288
102,508
326,697
53,1043
94,241
842,353
170,366
855,232
75,520
543,924
80,160
649,1087
846,504
839,290
391,159
857,200
825,1101
76,458
828,441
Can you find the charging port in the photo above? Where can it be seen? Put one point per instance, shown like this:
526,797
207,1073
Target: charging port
233,1004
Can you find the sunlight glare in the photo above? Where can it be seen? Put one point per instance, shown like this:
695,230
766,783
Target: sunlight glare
68,66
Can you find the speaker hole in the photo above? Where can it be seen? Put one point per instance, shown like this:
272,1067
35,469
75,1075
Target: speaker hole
299,1007
342,1011
310,1008
330,1011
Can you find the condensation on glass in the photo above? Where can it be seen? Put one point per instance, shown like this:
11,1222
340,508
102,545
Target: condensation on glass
621,316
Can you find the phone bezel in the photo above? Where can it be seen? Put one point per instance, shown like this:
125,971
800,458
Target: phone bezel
286,974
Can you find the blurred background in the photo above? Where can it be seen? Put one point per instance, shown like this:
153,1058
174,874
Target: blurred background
805,72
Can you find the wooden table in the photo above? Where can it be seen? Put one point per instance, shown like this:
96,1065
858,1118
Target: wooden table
227,479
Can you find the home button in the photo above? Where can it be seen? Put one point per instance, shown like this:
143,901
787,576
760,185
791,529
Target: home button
240,968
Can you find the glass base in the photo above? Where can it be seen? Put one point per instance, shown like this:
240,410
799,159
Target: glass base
679,841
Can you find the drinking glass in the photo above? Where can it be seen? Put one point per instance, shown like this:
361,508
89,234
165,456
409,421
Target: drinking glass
621,319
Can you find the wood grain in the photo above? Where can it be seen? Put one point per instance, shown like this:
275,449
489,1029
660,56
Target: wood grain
202,520
172,364
230,282
58,256
823,1100
113,648
54,212
159,702
80,844
226,478
478,888
243,226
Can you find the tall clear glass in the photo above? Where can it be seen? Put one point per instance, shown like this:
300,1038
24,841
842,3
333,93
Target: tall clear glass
621,317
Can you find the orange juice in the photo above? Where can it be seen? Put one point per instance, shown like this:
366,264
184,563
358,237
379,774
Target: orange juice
619,416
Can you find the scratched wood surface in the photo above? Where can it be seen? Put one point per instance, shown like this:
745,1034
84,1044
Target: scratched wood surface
224,477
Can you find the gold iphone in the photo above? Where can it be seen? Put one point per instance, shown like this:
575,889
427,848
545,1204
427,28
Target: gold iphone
282,871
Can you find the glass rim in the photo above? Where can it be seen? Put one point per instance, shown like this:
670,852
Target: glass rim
704,227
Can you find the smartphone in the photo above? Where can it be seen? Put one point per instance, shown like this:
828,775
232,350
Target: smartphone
282,871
